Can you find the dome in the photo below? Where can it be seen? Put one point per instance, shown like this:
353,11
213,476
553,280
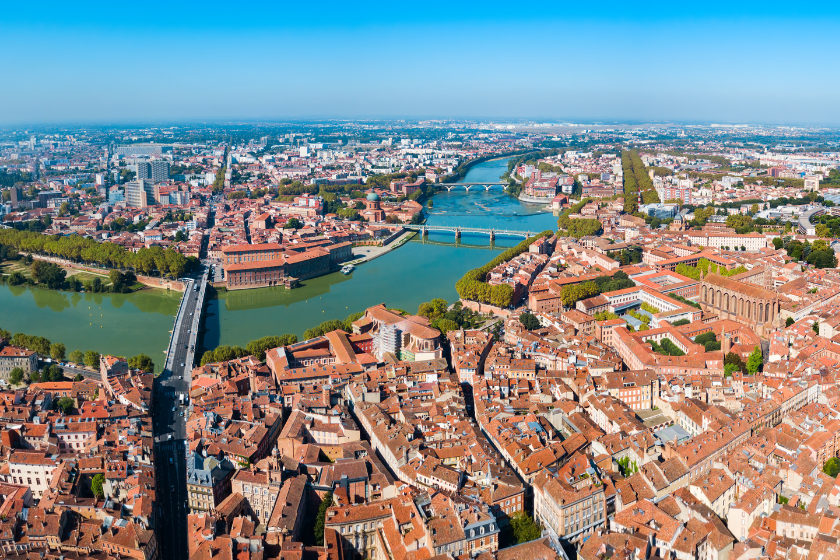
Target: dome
373,196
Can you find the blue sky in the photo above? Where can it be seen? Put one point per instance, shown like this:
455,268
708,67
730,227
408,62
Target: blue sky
157,61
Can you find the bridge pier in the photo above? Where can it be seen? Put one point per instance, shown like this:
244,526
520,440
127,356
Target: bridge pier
448,189
468,189
424,233
487,188
492,231
457,233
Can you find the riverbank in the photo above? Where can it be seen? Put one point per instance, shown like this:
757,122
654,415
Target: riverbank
535,200
369,252
149,281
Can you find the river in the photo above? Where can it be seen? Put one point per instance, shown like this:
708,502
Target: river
118,324
404,278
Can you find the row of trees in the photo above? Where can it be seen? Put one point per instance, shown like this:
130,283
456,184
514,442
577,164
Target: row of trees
56,350
473,286
256,348
666,347
331,325
636,180
75,248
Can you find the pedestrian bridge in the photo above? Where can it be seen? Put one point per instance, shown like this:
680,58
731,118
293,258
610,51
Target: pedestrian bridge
458,230
486,185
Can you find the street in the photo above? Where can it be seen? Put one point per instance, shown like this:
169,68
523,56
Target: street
170,418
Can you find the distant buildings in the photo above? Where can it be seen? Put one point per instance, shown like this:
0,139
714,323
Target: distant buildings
156,170
141,193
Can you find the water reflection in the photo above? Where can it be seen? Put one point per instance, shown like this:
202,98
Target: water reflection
17,290
88,321
239,300
56,301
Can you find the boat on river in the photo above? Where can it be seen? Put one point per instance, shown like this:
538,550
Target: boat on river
347,269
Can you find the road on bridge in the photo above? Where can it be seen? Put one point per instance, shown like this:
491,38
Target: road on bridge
170,419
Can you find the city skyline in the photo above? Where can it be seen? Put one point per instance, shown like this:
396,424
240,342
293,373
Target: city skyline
752,63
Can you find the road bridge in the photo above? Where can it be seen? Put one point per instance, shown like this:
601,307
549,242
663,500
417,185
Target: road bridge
456,243
458,230
485,185
170,417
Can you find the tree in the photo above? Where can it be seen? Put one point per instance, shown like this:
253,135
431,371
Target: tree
524,528
92,358
142,362
223,354
789,321
816,327
754,361
77,357
53,373
96,485
573,293
16,376
778,243
739,222
66,404
323,328
433,309
49,274
832,467
258,348
57,351
293,223
445,325
321,518
501,295
529,321
735,359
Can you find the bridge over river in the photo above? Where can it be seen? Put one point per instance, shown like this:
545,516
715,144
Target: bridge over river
485,185
458,230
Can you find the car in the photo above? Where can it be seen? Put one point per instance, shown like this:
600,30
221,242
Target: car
170,436
182,364
174,408
172,487
170,461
